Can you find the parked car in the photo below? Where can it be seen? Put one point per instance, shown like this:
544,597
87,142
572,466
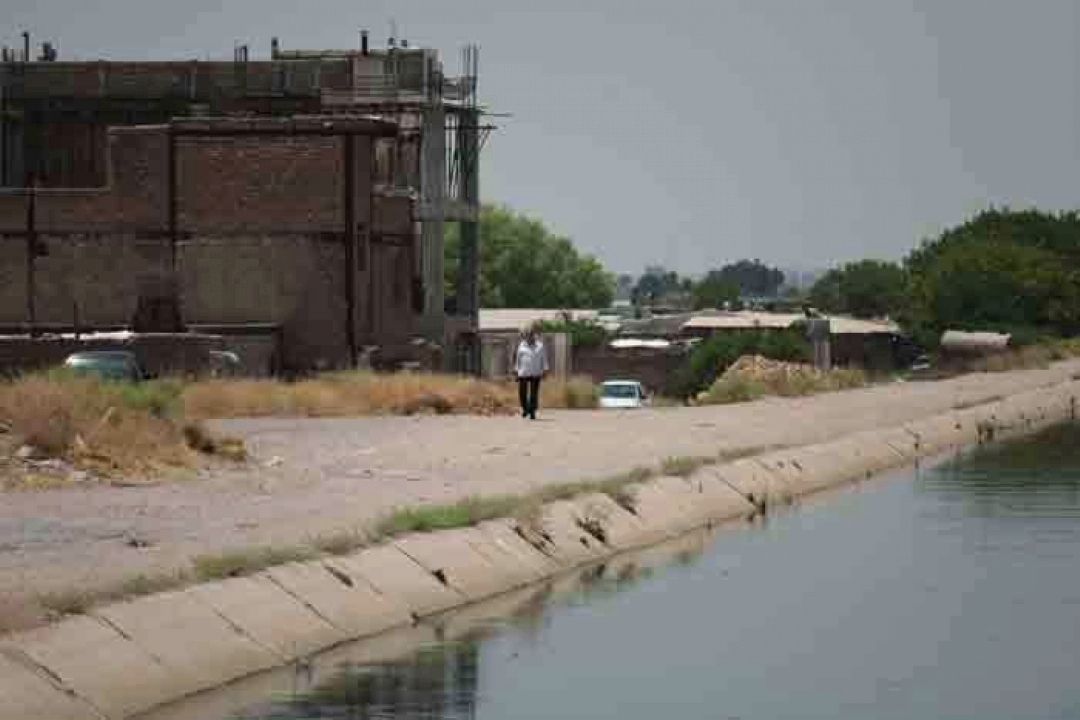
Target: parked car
623,394
921,364
119,365
224,363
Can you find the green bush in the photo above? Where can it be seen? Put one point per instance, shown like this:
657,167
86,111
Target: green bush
582,333
714,355
160,398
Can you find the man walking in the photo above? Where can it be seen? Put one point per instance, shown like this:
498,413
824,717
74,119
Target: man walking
530,366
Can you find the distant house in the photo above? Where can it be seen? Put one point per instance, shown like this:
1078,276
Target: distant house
501,329
503,320
871,344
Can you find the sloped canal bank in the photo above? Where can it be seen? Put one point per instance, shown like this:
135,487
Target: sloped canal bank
949,592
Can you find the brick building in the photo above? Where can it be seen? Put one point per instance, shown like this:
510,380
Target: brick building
307,193
271,221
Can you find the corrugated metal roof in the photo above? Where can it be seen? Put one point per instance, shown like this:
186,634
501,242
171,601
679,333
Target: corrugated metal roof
516,319
747,320
958,339
625,343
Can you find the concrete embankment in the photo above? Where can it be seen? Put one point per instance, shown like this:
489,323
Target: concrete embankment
122,660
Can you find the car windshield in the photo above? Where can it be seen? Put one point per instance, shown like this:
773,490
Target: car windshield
620,390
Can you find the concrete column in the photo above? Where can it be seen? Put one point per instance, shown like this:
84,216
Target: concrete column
433,219
468,285
468,289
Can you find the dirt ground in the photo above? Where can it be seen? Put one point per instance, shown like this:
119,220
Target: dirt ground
318,477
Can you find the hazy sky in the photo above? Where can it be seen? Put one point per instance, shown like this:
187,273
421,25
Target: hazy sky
801,132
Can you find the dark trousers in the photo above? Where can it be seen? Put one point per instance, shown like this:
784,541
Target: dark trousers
529,395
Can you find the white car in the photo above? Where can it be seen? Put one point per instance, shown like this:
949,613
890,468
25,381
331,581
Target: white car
623,394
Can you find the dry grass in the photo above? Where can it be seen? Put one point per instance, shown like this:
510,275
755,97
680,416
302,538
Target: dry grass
145,429
199,438
367,393
1030,357
107,427
110,428
751,378
575,393
1026,358
346,394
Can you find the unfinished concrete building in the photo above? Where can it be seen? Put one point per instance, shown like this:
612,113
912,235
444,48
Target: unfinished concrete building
250,189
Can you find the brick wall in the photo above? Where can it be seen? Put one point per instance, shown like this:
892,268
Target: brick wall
12,279
96,277
65,108
134,199
654,368
280,183
296,281
261,238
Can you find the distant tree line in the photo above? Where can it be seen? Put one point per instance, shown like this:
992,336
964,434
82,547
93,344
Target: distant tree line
524,264
727,286
1002,270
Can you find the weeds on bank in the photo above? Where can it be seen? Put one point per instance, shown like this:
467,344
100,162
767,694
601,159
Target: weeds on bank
685,466
465,513
238,563
472,511
77,602
341,543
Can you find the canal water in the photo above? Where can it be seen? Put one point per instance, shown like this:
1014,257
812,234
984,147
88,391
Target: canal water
950,592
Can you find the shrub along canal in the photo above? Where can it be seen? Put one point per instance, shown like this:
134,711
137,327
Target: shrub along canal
950,592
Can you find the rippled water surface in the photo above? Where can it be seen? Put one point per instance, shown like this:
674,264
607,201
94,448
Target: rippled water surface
948,593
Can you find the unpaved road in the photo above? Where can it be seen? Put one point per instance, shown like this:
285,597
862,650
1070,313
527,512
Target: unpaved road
313,477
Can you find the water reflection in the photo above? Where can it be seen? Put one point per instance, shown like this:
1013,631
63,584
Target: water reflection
440,680
1034,477
952,593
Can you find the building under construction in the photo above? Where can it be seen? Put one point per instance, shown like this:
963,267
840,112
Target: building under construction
301,198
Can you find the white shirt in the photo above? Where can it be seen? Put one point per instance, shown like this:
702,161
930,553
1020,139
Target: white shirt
531,360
